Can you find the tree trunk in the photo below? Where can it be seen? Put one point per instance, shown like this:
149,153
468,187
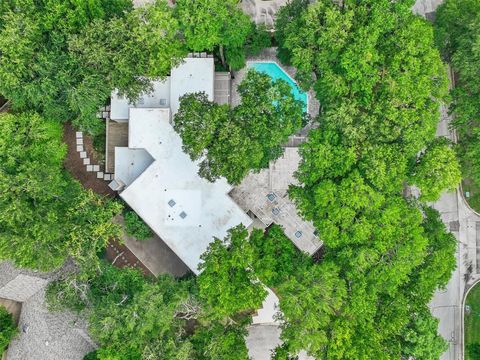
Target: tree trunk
222,56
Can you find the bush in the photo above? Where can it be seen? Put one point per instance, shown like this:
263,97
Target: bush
91,356
135,226
473,351
8,329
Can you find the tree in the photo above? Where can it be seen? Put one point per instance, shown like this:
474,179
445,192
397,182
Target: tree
473,350
230,142
208,24
258,39
130,317
219,341
437,170
228,283
307,303
453,20
197,121
63,59
45,215
457,30
421,340
134,226
380,82
276,258
288,17
8,329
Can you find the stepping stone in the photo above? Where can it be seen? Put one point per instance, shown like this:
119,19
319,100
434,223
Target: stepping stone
96,167
80,148
104,114
86,161
79,141
90,168
79,135
99,175
83,155
107,177
107,108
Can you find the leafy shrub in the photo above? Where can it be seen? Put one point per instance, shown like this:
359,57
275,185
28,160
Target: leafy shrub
135,226
473,350
92,355
8,329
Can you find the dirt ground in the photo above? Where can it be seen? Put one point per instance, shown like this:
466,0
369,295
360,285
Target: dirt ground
74,164
123,257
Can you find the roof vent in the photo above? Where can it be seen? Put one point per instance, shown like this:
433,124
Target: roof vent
183,214
298,234
275,211
271,196
163,102
172,203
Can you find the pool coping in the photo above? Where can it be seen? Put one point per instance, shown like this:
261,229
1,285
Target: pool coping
285,72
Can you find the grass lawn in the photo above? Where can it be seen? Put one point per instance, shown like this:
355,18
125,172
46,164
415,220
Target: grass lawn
472,325
474,192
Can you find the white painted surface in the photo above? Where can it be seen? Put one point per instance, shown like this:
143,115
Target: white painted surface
266,314
130,163
159,97
173,176
193,75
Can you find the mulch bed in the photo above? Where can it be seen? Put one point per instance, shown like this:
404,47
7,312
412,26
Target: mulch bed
127,259
74,164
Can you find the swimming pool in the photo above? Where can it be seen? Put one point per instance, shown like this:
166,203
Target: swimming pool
276,72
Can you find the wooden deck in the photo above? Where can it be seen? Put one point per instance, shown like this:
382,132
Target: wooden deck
117,135
223,83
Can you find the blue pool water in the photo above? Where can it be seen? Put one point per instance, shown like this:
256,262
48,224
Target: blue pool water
276,72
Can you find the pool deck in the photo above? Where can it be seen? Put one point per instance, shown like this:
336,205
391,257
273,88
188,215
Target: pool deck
270,55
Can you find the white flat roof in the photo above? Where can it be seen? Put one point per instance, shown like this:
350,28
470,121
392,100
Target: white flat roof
130,163
184,210
193,75
158,97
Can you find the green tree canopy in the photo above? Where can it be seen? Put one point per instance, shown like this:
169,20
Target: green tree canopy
136,227
228,283
437,170
457,30
130,316
45,215
8,329
230,142
211,24
63,59
220,341
380,81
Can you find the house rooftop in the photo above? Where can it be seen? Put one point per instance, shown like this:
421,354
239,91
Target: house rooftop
185,210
